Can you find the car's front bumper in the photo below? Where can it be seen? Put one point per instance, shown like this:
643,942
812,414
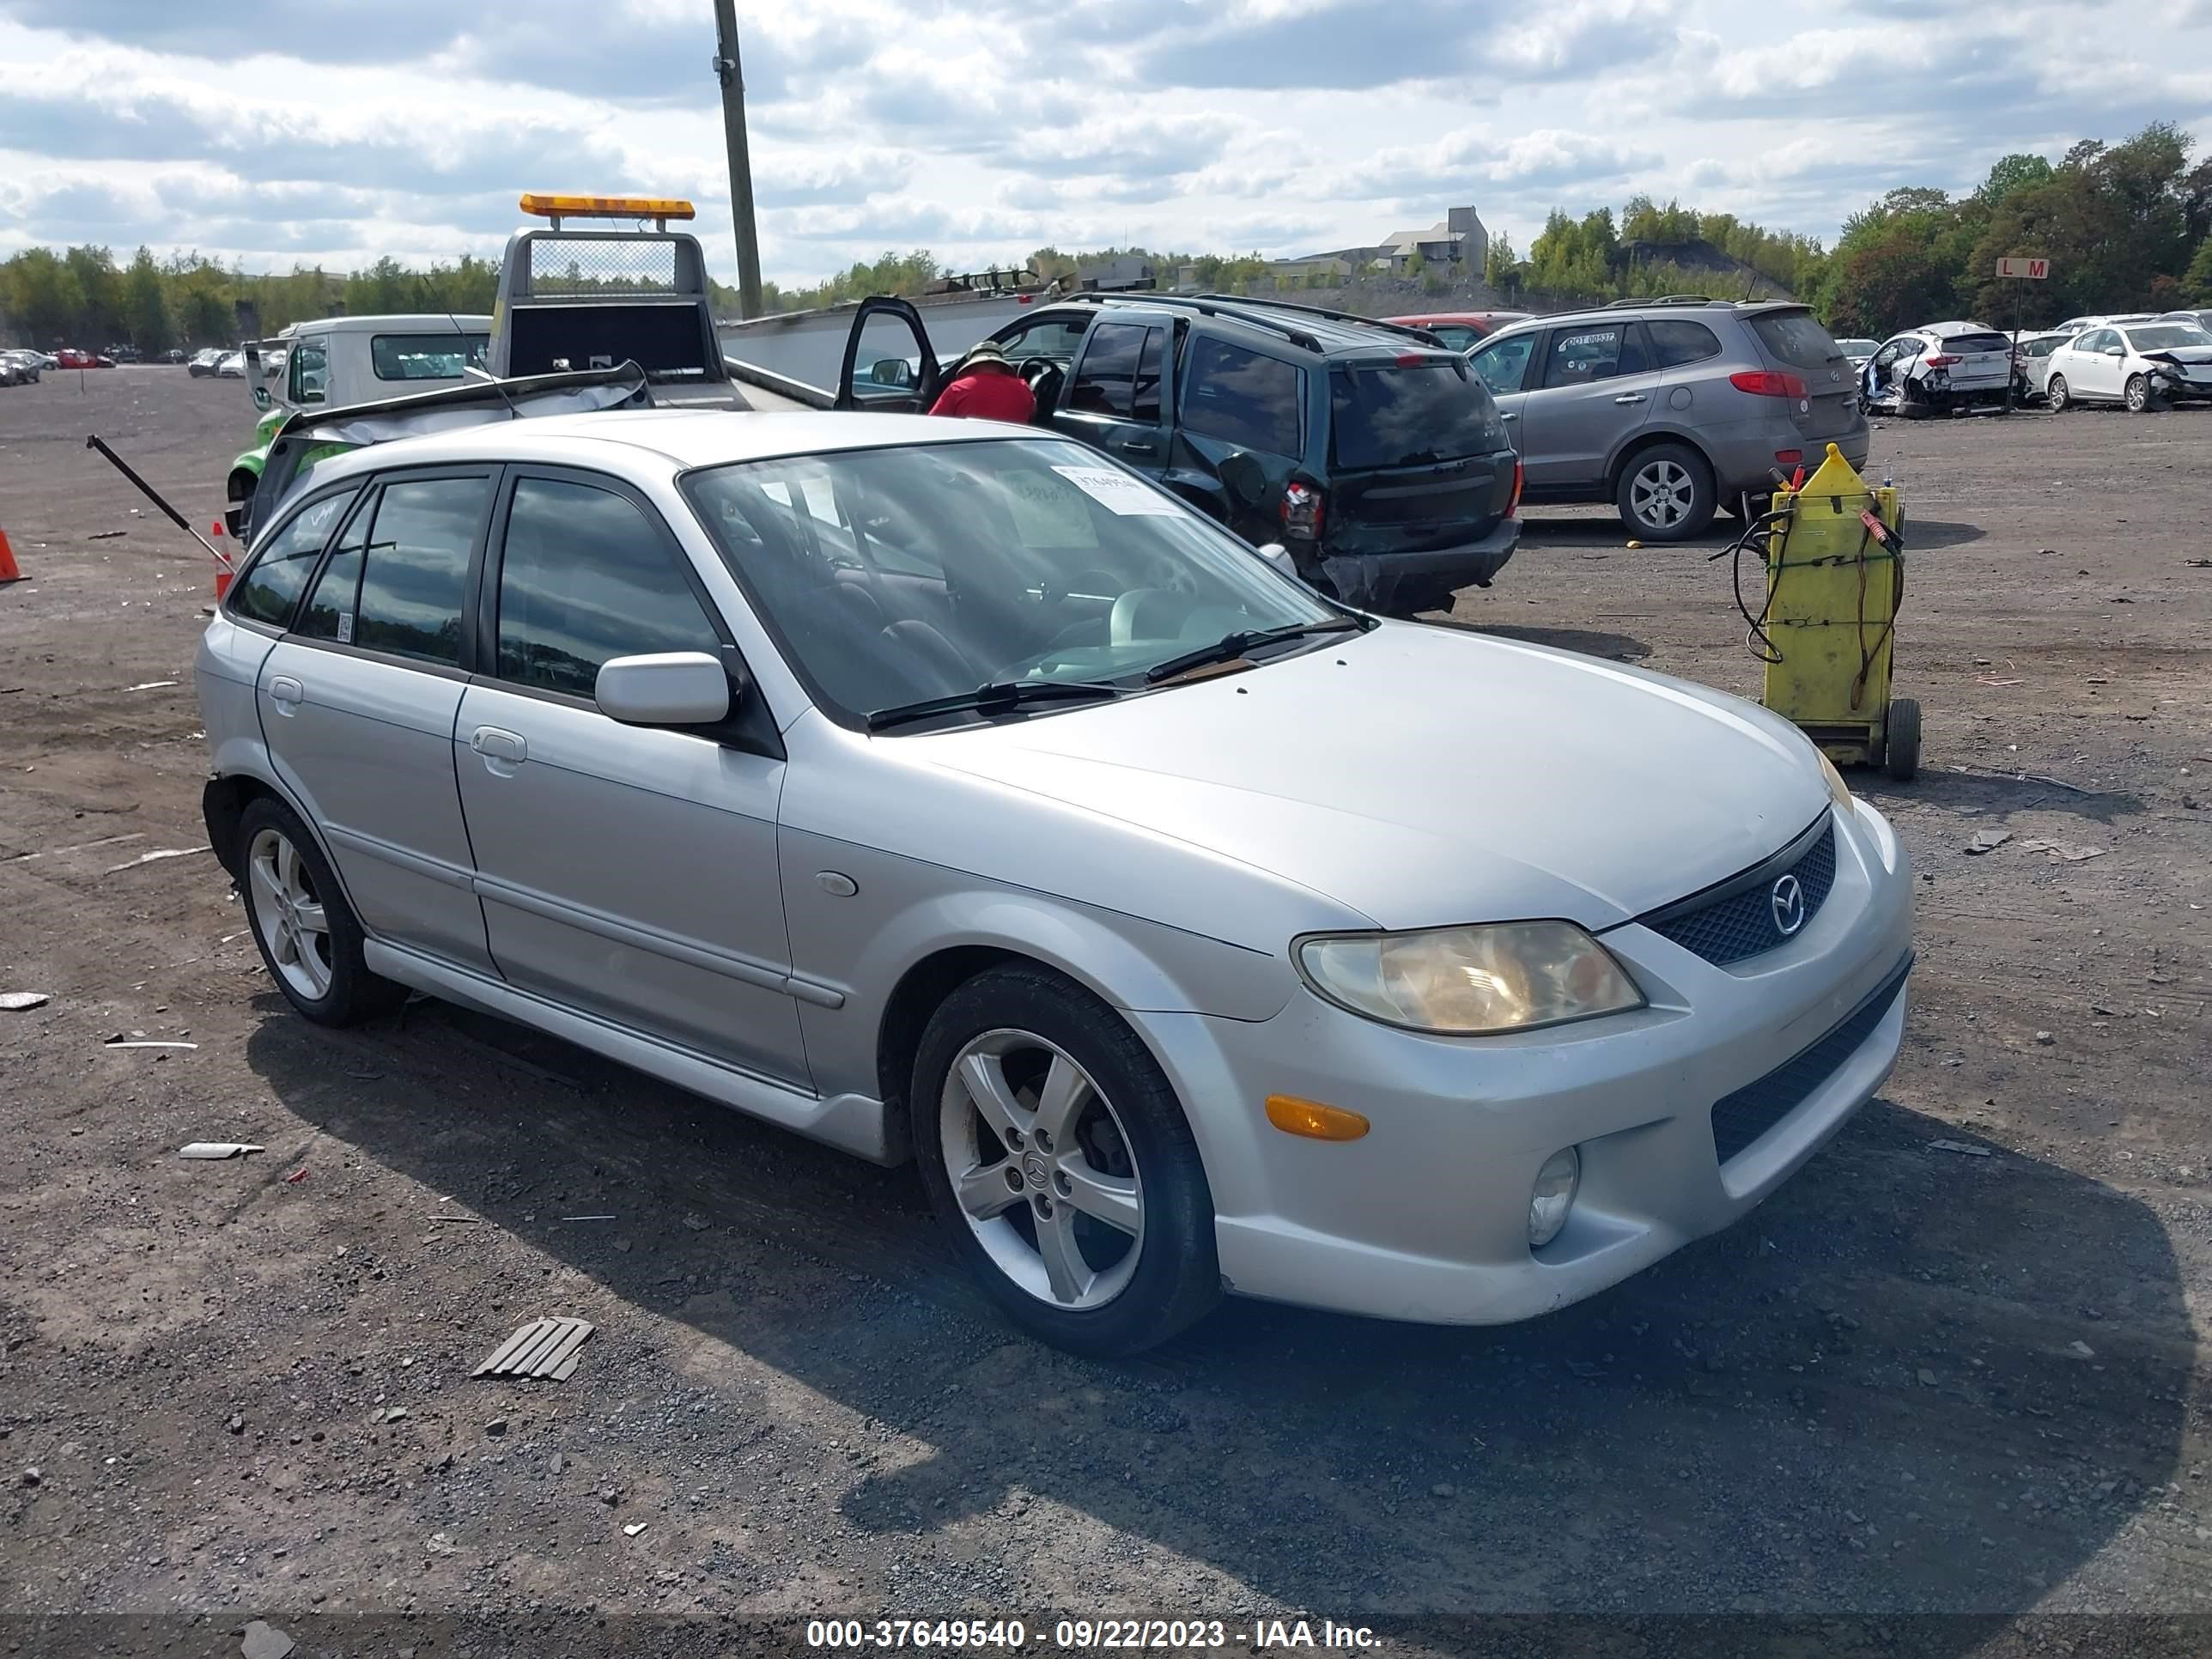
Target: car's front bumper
1425,1217
1397,584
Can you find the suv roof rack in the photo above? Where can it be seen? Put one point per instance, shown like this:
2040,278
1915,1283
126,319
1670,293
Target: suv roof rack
1668,300
1207,304
1412,332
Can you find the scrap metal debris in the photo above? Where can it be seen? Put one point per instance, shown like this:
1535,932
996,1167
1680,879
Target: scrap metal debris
17,1002
1987,840
1959,1146
544,1347
156,857
218,1149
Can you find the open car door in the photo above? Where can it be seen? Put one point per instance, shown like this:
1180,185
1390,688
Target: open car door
889,366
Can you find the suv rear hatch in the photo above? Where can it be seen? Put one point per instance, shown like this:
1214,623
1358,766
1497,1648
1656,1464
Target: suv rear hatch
1972,362
1794,340
1418,457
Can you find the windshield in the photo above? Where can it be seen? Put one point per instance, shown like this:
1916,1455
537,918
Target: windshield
892,575
2167,337
1415,410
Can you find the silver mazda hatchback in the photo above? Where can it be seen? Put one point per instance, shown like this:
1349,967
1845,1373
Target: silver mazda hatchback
943,791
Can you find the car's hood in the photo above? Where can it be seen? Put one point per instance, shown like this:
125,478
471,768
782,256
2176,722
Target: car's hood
1423,775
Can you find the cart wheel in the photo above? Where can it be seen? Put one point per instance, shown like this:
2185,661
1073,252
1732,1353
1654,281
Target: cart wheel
1901,747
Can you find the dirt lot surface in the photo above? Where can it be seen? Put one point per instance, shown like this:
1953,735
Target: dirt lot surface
1920,1381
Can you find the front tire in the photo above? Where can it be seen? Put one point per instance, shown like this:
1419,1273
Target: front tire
2136,394
1666,494
2055,394
1059,1161
310,939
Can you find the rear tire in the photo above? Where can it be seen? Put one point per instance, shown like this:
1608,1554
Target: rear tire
310,939
1901,744
1666,494
992,1060
2055,394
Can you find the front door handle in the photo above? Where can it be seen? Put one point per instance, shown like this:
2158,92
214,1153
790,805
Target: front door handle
1509,414
1629,397
286,693
494,745
1141,447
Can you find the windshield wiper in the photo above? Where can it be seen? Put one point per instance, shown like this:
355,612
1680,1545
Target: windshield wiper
994,698
1229,646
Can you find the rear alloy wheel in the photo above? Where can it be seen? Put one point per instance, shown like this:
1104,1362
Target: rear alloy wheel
2056,396
309,940
1055,1154
1666,494
2136,395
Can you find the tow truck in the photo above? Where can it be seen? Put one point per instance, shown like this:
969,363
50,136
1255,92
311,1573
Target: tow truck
572,302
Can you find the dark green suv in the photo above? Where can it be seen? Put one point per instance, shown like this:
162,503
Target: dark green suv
1369,451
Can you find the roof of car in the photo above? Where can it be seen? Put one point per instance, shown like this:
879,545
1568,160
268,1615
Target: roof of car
680,438
419,322
1311,327
1424,318
1946,331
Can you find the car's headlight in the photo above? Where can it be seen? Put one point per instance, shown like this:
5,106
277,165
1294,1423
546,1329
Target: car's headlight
1838,791
1468,981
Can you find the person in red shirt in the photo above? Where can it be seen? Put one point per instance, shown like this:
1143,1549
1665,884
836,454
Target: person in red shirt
986,387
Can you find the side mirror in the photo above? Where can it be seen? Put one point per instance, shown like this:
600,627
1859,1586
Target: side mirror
667,688
1279,556
262,400
892,371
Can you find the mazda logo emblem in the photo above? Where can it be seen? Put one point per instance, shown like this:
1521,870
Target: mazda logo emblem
1788,899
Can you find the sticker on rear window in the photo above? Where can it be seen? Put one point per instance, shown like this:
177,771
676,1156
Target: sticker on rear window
1118,493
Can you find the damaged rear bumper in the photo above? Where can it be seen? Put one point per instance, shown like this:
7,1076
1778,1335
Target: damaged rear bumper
1398,584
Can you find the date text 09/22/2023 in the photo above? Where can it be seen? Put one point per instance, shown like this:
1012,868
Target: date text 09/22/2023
1109,1635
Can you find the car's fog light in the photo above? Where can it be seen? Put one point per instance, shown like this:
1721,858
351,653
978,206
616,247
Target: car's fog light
1553,1196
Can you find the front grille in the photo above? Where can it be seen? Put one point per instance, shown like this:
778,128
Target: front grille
1741,921
1742,1118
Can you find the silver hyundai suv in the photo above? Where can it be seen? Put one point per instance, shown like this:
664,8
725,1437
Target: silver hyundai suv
1674,408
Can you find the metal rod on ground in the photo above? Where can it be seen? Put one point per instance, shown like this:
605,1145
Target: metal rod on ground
155,496
727,70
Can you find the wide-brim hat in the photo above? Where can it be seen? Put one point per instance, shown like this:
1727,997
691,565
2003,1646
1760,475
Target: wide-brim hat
988,351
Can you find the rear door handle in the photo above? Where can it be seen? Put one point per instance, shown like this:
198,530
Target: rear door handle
286,693
1141,447
1629,397
494,745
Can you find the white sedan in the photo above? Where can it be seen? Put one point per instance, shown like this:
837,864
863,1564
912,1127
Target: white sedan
2138,366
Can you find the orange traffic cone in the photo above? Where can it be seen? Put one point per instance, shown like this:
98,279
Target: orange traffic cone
9,573
225,568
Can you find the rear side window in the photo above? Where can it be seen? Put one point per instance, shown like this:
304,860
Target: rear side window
268,591
586,576
1405,415
1677,340
416,571
1580,355
424,356
1244,398
1797,339
1106,383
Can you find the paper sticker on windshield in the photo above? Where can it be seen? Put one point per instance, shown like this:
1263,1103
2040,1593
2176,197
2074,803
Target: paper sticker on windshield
1119,493
1047,513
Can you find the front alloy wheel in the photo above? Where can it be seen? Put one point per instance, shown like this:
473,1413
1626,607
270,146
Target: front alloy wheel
2137,394
1057,1159
1042,1170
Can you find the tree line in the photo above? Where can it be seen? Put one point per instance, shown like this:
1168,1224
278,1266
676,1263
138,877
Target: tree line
2126,227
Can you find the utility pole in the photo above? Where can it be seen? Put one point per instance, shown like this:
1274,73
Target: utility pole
741,167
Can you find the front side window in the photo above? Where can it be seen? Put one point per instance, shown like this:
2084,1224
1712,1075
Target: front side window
584,577
424,356
415,571
270,587
892,575
310,372
1106,383
1054,337
1245,398
330,608
1503,364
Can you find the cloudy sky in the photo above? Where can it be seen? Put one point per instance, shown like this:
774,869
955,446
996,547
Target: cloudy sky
279,131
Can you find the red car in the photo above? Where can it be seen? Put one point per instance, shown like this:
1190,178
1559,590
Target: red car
70,357
1459,329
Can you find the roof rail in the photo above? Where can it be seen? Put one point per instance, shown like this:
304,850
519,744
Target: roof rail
1207,304
1668,300
1420,334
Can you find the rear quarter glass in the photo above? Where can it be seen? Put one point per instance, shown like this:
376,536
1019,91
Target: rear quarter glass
1404,415
1795,338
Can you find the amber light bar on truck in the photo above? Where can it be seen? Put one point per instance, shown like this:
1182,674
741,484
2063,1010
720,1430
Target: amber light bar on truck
540,205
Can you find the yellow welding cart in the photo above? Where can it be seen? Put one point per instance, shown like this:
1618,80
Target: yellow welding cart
1835,577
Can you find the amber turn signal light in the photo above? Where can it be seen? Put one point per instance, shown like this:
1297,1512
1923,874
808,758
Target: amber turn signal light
1313,1119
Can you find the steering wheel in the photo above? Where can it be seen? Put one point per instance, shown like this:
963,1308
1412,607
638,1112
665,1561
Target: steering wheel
1043,377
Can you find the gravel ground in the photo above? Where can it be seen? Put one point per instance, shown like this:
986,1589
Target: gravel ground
1943,1388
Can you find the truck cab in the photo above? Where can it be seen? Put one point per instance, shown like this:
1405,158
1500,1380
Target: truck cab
336,362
